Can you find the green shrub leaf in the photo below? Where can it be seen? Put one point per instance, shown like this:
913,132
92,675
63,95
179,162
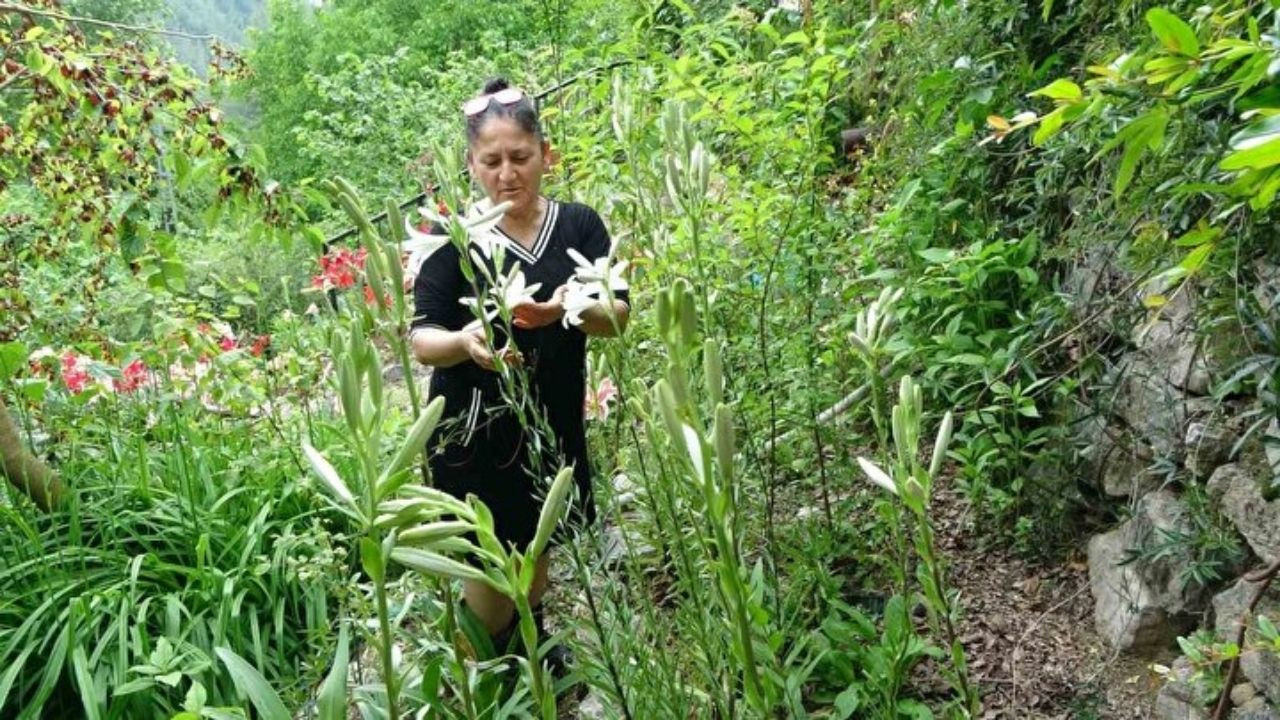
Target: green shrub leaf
1172,32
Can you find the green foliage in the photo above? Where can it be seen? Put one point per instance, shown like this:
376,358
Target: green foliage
180,537
364,88
774,277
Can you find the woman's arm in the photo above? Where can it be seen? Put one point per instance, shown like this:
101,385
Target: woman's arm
596,320
442,348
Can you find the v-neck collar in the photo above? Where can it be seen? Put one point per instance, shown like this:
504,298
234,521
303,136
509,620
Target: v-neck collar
543,238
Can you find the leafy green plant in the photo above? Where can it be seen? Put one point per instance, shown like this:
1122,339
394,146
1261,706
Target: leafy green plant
874,667
913,483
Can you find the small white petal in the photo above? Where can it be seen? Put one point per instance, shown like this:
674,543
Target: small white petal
876,475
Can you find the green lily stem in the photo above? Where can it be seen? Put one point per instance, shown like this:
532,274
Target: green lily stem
384,650
406,365
529,635
451,632
880,418
731,571
926,548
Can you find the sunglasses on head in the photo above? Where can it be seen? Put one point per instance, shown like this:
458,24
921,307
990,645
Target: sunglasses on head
480,103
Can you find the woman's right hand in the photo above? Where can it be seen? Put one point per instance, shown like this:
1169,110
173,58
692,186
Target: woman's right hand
478,350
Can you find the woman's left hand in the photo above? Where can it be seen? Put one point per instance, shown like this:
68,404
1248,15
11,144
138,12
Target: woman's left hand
530,315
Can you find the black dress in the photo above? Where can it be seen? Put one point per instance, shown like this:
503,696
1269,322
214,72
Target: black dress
481,447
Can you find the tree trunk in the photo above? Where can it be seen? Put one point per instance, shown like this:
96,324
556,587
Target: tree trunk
24,470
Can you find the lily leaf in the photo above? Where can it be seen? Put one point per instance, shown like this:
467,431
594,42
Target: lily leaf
325,471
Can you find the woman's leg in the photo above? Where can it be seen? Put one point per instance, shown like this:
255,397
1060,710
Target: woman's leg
496,610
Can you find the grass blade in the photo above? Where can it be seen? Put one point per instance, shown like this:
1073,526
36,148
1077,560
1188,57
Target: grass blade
332,702
250,682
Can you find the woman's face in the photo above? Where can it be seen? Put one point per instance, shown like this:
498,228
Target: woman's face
509,163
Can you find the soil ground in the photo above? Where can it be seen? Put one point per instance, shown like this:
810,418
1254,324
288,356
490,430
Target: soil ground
1029,635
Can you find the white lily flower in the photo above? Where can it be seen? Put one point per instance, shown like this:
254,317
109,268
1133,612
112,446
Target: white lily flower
600,271
513,290
420,246
872,326
510,291
577,299
491,311
480,222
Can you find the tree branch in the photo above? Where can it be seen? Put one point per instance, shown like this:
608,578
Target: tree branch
23,470
10,7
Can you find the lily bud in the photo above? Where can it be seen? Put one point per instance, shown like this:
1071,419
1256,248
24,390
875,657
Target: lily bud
395,221
876,475
432,533
859,345
415,442
666,402
713,371
664,313
679,383
375,388
940,445
704,171
688,321
395,270
693,443
906,394
552,510
349,390
723,434
673,180
438,565
698,169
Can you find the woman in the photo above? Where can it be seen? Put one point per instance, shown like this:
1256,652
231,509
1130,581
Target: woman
486,451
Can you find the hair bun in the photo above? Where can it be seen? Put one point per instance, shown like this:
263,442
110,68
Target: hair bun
494,85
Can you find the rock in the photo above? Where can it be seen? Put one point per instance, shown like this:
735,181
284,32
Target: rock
1242,693
807,512
1239,496
625,491
591,707
1262,669
1267,288
1230,605
1208,445
1255,709
1142,604
1180,698
1091,274
1121,463
1157,410
1172,346
617,543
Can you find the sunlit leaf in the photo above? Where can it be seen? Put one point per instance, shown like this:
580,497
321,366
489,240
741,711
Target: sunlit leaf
1172,32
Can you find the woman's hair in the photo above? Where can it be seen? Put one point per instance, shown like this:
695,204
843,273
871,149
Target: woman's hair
523,112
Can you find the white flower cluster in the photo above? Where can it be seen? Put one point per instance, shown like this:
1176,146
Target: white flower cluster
592,283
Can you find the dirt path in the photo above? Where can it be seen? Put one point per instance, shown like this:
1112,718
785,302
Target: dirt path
1028,631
